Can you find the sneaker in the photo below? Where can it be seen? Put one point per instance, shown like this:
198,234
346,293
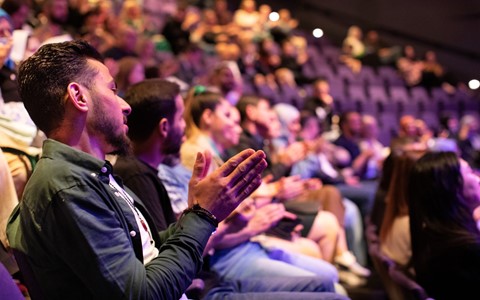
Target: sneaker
348,262
351,280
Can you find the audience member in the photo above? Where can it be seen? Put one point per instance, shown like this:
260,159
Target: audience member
19,12
321,103
213,126
377,51
8,72
158,119
226,78
407,127
17,131
362,194
353,49
257,133
176,29
107,237
247,19
131,14
409,66
353,45
289,91
125,41
94,30
156,129
369,141
469,140
269,55
448,126
224,15
423,131
348,214
434,74
8,201
284,27
398,146
257,71
52,26
394,236
351,130
210,126
191,65
445,237
130,71
291,58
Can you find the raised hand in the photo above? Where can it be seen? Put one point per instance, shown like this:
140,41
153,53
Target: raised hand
222,190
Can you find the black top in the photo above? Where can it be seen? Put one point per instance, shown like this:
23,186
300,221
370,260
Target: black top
142,179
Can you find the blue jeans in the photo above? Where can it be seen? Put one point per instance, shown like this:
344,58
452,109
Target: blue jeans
362,195
354,231
250,260
278,288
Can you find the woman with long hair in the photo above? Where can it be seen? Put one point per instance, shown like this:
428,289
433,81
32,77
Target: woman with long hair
443,194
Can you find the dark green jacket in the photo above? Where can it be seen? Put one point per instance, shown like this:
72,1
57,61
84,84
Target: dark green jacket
83,242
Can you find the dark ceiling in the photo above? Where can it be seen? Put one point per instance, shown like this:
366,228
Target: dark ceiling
451,28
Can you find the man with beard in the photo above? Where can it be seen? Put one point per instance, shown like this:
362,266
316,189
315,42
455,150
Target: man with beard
155,124
156,129
77,232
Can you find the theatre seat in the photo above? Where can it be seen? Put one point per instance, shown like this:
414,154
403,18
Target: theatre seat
398,284
34,288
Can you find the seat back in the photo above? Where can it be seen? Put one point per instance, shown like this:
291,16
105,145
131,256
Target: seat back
33,286
398,284
8,287
28,161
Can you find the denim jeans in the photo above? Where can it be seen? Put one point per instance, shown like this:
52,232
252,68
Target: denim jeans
278,288
250,260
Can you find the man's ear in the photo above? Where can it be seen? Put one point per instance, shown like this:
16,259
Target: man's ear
164,127
77,97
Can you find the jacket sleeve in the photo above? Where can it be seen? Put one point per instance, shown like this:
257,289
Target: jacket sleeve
94,231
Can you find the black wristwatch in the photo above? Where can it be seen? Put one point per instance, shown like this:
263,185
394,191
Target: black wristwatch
202,212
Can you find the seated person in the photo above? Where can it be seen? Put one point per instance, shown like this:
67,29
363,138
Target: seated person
156,128
101,231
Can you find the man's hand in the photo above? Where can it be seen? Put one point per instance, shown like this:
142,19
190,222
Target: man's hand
222,190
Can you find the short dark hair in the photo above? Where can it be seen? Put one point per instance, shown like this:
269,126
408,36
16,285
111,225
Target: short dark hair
150,100
44,77
201,102
12,6
306,115
344,118
244,102
320,79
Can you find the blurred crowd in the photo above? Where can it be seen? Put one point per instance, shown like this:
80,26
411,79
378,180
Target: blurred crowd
252,82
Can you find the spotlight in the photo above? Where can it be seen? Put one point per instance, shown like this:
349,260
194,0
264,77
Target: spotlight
474,84
317,32
274,16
